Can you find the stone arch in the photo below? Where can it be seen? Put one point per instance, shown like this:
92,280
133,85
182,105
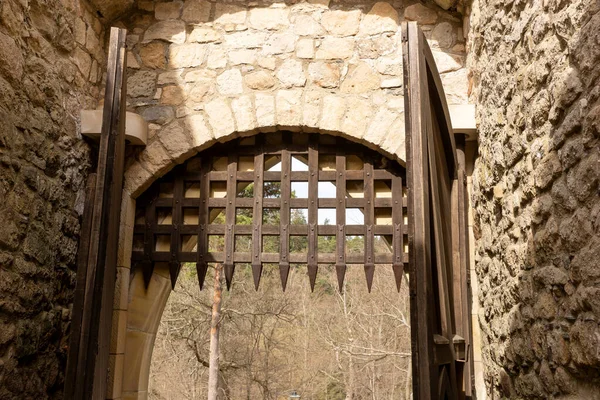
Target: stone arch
283,110
138,309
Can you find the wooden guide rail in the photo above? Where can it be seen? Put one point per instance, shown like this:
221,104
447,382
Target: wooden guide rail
87,364
438,247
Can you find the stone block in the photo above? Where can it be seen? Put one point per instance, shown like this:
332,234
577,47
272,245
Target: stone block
311,112
186,55
259,80
447,62
137,368
199,130
136,179
389,66
268,63
80,31
172,31
357,118
176,141
279,43
141,84
118,330
197,92
245,40
196,11
265,111
81,58
380,125
381,18
115,377
306,25
289,109
332,48
169,78
230,14
220,118
200,75
333,110
362,78
291,73
376,47
341,22
325,74
420,13
202,34
172,95
272,18
238,57
244,114
158,114
444,35
132,63
217,58
170,10
229,83
153,55
305,48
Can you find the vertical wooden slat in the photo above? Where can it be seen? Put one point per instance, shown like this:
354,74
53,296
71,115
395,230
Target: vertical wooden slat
340,184
464,325
259,166
230,218
442,259
201,263
149,239
313,210
398,235
415,101
177,223
75,340
93,353
369,214
284,233
115,175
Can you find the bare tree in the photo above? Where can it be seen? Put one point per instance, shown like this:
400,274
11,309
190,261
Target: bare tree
215,327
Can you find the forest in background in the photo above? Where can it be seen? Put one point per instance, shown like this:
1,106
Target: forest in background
325,345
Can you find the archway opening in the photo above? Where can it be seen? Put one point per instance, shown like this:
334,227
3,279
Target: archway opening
281,207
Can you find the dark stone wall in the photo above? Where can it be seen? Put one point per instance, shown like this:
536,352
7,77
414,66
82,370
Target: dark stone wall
535,68
51,54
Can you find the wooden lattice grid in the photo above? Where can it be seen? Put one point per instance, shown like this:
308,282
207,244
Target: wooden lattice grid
264,200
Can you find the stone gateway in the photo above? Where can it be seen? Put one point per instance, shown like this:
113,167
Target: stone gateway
521,79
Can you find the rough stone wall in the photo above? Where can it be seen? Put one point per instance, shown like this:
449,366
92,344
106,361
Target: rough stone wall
535,69
51,58
202,71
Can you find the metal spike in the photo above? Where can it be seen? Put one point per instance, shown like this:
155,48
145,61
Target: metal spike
147,270
284,271
174,268
229,270
201,268
398,272
312,276
341,274
369,272
256,273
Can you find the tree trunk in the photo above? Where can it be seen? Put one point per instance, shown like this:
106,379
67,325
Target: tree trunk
215,327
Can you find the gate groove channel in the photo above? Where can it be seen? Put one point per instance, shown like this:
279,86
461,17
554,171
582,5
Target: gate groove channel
290,199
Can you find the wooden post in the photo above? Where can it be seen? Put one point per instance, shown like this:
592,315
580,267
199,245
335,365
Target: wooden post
419,229
88,365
